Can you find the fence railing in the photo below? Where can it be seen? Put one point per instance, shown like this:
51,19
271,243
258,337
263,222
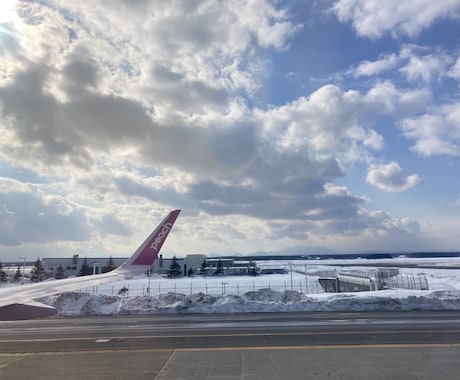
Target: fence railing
209,288
402,281
230,286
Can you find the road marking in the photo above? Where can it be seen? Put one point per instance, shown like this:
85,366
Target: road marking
19,357
102,340
321,347
261,348
406,332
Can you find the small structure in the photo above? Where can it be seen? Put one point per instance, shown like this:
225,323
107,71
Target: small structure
273,271
360,280
347,283
329,284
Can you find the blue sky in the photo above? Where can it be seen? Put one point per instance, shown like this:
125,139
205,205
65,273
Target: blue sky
271,124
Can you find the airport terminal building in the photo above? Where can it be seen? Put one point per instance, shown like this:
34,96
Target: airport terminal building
189,265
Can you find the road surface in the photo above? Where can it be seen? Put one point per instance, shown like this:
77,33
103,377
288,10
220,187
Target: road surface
367,345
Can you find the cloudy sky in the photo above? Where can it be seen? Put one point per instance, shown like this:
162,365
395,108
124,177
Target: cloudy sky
271,124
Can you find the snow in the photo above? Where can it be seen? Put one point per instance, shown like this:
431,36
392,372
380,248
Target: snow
267,293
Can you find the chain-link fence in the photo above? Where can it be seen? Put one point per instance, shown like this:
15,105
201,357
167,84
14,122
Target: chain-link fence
380,279
223,287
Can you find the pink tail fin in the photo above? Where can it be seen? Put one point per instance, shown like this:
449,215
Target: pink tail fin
147,253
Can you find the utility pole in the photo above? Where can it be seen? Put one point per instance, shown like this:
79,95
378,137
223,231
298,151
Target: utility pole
306,280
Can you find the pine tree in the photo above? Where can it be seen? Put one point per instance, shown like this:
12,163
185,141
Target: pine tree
111,264
85,269
204,268
174,269
17,275
60,272
252,269
220,267
3,277
38,272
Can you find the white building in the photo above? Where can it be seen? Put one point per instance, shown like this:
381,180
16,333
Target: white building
72,265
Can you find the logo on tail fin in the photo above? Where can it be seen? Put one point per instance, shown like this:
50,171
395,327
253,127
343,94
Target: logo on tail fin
162,234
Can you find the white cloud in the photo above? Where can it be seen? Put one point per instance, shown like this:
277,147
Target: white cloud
415,63
455,69
424,64
373,18
384,98
391,178
435,133
370,68
373,140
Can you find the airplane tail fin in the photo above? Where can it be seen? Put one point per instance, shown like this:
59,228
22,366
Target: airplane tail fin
147,253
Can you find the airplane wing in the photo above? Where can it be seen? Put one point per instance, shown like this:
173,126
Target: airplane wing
18,302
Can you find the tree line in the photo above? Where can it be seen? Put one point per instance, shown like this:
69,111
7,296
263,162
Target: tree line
38,273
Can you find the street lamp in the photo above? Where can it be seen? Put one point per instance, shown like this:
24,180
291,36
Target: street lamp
149,274
223,287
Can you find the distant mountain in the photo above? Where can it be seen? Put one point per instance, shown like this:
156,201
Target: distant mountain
292,251
296,251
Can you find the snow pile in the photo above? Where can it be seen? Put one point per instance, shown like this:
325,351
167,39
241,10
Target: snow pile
263,300
83,304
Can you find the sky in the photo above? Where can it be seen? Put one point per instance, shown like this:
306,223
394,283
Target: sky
270,124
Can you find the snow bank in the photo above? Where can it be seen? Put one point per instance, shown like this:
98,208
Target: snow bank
263,300
83,304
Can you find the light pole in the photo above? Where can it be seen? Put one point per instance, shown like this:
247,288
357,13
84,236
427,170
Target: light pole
23,267
150,274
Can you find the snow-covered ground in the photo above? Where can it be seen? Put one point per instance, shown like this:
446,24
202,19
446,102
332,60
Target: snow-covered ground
293,291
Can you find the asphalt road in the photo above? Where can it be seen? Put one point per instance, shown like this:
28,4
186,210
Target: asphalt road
371,345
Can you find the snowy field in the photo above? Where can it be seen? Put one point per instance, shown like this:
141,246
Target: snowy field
297,290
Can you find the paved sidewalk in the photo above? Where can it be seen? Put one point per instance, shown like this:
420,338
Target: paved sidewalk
267,363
